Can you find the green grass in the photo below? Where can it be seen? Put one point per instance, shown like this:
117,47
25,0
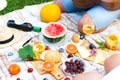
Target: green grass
19,4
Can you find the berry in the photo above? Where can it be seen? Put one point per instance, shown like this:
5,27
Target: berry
30,70
67,78
82,36
92,46
10,54
18,79
47,48
93,52
70,55
61,50
45,79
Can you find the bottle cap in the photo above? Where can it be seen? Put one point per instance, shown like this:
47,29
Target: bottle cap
35,28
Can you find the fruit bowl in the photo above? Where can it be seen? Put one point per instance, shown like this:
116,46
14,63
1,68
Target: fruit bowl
73,66
54,32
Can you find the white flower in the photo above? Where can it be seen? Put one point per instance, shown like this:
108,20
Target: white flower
3,4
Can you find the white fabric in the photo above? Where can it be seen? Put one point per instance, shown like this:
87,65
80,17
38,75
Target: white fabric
113,75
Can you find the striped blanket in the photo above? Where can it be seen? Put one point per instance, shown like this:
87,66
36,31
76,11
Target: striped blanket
30,14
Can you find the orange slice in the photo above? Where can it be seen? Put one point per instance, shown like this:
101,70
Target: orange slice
88,29
71,48
38,48
48,66
14,69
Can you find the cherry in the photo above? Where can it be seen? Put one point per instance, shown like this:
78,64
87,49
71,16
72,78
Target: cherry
30,70
18,79
47,48
67,78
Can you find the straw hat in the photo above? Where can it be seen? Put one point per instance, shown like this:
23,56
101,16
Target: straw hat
3,4
8,36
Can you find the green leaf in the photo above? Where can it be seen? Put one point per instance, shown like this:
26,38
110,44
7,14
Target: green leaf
102,45
25,51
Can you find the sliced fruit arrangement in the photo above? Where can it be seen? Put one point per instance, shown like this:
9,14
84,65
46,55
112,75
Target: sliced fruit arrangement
51,61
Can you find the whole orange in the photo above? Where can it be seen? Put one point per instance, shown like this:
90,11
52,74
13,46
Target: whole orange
50,13
14,69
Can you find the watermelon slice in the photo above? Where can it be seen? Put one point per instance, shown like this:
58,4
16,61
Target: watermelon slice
54,32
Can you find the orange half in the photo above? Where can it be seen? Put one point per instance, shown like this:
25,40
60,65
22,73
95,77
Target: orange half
71,48
48,66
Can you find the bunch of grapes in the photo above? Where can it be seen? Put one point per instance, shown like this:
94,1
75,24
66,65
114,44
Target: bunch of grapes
74,66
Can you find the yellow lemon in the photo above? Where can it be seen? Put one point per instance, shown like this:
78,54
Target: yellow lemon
50,13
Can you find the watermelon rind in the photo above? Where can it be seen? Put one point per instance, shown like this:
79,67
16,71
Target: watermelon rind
54,39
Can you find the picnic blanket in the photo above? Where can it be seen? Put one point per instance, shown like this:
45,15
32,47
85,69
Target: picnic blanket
31,14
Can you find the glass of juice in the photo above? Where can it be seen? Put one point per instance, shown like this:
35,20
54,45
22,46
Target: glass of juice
88,29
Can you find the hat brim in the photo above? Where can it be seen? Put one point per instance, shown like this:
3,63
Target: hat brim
17,37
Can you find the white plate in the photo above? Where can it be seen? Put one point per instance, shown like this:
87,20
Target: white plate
60,43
